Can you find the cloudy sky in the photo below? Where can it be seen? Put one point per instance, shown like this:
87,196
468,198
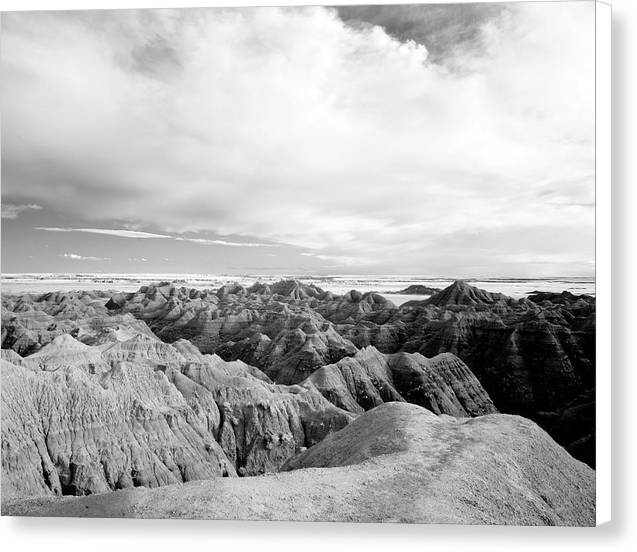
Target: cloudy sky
432,140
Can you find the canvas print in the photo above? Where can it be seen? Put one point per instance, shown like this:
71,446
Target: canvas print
326,263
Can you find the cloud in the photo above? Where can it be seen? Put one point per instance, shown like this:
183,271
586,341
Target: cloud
10,211
291,126
447,31
148,235
76,257
205,241
107,232
340,260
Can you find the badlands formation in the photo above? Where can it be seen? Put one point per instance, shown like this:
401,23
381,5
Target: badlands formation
286,401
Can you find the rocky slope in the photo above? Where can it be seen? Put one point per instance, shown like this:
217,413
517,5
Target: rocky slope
461,293
530,357
416,289
79,419
443,384
79,439
83,419
275,328
31,321
395,463
533,357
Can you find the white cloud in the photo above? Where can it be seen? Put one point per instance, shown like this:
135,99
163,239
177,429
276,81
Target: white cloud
107,232
76,257
10,211
340,260
148,235
205,241
288,125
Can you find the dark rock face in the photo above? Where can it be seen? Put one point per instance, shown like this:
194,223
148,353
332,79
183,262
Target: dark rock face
529,357
574,302
574,427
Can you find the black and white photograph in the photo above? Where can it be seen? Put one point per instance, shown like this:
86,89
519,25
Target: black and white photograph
301,263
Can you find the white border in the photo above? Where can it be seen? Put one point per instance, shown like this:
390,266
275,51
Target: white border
25,5
603,258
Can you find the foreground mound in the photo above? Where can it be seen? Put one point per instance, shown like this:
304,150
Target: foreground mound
397,462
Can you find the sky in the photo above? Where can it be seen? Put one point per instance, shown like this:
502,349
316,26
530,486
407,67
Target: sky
440,140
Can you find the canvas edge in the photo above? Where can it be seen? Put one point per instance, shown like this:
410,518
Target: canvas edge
604,376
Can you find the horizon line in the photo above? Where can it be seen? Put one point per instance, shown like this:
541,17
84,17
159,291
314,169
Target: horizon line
304,275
